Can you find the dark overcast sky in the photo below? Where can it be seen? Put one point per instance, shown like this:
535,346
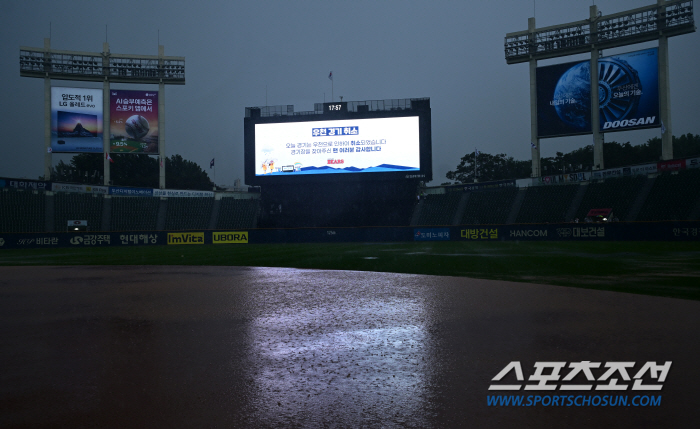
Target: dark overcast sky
450,51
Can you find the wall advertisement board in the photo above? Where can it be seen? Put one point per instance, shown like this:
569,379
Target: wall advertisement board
616,231
628,93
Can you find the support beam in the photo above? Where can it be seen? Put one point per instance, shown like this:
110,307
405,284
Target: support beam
161,124
664,94
598,162
106,116
533,108
47,116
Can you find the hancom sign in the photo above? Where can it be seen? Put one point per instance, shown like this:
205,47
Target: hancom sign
230,237
628,93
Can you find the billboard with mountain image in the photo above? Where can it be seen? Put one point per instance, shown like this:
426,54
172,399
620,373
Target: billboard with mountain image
76,120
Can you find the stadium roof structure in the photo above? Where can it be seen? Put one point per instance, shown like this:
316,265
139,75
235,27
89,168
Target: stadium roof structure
100,66
643,24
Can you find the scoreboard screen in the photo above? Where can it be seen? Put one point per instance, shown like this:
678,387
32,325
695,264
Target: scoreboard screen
338,145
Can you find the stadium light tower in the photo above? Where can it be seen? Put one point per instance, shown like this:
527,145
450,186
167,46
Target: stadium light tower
105,67
654,22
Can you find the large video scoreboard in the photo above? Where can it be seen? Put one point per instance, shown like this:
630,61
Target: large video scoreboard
343,141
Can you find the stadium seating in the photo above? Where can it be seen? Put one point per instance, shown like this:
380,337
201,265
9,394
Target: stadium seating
387,209
489,206
188,213
337,205
22,210
546,204
70,206
134,213
617,194
439,209
237,213
672,197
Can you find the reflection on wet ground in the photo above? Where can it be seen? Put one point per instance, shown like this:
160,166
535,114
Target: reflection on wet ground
332,346
274,347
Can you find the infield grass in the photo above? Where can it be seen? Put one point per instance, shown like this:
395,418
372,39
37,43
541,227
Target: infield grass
669,269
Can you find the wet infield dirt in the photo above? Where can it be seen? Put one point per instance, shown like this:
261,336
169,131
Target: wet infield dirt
175,346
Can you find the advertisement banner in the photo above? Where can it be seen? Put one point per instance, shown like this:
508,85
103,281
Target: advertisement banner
563,178
76,120
610,172
230,237
609,231
431,234
80,239
479,233
643,169
130,192
627,89
468,187
692,163
185,238
133,124
140,238
181,193
90,189
675,165
335,147
39,185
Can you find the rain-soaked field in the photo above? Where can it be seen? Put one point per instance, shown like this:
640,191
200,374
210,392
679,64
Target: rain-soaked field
669,269
226,346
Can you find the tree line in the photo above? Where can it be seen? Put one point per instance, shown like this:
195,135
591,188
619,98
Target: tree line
137,170
502,167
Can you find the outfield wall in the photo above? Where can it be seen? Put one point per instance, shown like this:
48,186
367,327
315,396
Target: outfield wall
635,231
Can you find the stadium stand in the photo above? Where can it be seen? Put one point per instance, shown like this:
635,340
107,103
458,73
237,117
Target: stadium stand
673,196
439,209
489,206
546,204
237,213
73,206
389,207
617,194
134,213
188,213
337,205
22,211
668,196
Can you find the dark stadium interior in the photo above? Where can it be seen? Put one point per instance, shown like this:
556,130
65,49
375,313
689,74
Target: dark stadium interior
668,196
338,204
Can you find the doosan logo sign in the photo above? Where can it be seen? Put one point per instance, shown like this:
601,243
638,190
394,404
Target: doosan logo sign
649,120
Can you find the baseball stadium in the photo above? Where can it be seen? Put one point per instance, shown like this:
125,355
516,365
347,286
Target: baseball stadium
334,287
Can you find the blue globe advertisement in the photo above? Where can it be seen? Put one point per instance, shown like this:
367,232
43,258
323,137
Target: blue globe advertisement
628,95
